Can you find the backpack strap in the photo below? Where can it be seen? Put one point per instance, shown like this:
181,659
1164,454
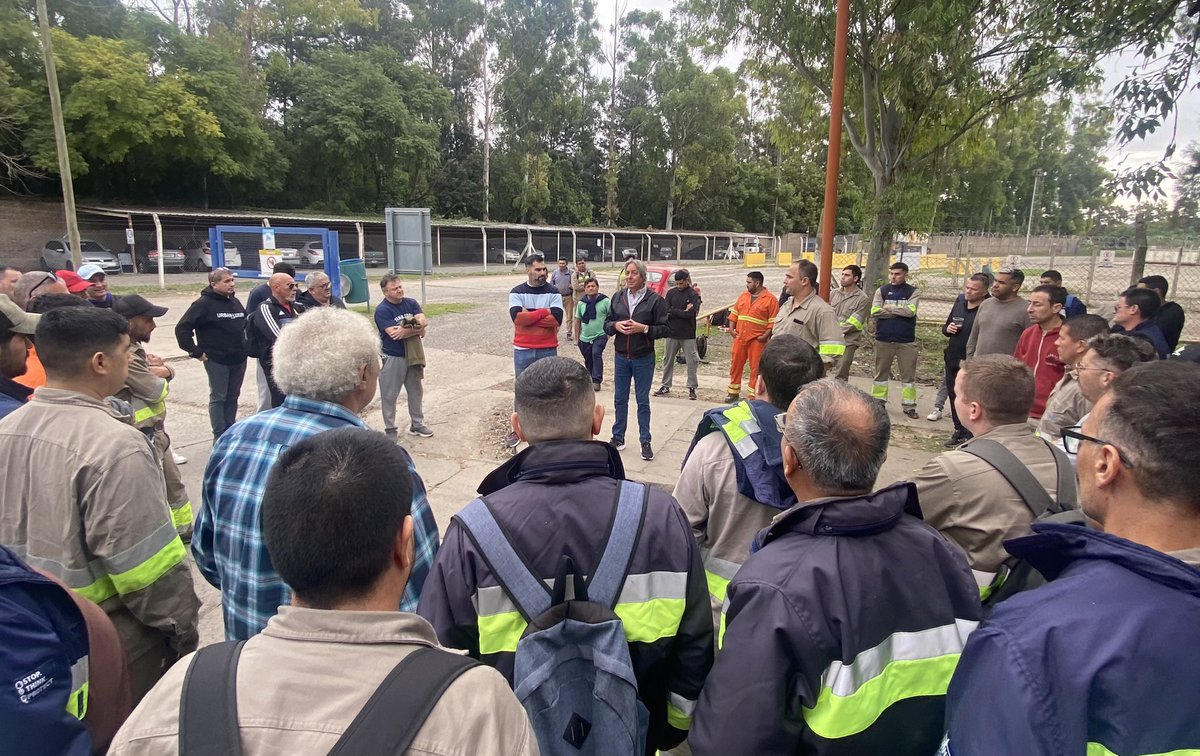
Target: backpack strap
1015,472
604,586
1067,488
396,711
531,595
208,718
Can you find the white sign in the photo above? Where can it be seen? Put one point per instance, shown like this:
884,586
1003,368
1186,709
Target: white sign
1012,262
1107,257
266,261
129,236
268,238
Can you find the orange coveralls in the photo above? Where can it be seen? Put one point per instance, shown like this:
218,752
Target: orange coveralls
752,317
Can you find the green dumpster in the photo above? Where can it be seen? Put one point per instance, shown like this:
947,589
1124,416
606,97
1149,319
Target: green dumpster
354,281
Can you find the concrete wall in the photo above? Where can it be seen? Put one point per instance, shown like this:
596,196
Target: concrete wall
25,226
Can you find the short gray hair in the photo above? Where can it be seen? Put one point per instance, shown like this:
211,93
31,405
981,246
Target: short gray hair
840,435
314,278
555,400
319,354
641,266
216,274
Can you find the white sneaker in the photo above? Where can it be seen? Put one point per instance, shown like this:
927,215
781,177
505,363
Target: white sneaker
179,458
934,416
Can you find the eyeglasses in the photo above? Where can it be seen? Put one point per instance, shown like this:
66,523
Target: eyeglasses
326,285
781,422
293,286
1072,437
1075,370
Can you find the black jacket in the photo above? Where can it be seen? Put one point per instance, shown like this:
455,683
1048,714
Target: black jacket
1170,320
651,311
308,302
681,322
956,348
217,324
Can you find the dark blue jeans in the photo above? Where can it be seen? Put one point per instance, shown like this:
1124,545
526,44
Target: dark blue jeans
224,388
523,358
593,357
641,370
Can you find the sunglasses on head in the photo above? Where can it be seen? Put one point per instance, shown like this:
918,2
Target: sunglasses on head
49,277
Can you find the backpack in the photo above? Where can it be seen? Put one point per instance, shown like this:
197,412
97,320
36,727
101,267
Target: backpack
573,673
1015,574
256,343
387,723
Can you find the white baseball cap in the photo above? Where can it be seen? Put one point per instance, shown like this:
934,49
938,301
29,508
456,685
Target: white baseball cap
87,271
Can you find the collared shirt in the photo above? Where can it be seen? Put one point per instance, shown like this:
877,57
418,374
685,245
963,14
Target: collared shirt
851,309
228,542
634,297
304,679
813,320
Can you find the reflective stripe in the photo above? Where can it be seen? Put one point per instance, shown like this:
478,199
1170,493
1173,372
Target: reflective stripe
1098,749
756,321
905,665
718,572
875,309
741,425
152,409
908,394
879,390
721,629
717,586
679,711
912,307
650,607
152,569
854,322
832,348
181,516
77,703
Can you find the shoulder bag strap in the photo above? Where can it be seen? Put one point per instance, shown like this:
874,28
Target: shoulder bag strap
396,711
531,595
1067,490
208,718
604,586
1014,471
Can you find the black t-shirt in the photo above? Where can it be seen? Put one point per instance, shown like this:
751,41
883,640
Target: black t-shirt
956,348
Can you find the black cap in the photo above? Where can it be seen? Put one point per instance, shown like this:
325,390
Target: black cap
133,305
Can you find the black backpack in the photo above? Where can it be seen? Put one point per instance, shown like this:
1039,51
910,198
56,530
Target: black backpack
1015,574
387,723
256,343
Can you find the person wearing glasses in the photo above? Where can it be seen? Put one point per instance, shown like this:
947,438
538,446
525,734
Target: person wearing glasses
34,284
318,292
963,494
1135,315
276,312
1103,658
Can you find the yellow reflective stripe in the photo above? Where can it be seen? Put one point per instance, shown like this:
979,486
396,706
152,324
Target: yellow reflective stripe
182,515
150,570
879,390
912,307
832,348
854,322
906,665
721,629
1098,749
756,321
717,586
499,633
99,591
148,412
876,309
679,711
651,620
77,703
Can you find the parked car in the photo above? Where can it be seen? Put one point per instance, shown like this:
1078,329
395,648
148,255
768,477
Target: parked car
312,253
198,255
56,255
727,253
372,257
665,253
145,259
629,253
289,255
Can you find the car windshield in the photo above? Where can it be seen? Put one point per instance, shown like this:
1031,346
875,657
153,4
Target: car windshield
91,246
655,276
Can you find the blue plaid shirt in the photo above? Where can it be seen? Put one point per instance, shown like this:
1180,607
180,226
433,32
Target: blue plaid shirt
228,540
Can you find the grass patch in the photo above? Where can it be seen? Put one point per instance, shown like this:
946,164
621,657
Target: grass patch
174,288
911,438
931,346
432,310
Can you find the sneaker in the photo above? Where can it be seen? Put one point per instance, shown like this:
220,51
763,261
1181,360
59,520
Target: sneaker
911,412
934,416
647,452
955,440
662,391
692,394
179,458
596,385
511,440
617,443
421,430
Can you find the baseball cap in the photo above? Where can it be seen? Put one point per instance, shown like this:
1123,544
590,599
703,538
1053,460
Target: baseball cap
135,304
15,319
87,271
74,283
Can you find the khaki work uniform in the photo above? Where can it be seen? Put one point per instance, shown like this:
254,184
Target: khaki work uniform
852,311
814,321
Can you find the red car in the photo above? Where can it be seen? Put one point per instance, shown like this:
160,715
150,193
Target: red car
659,278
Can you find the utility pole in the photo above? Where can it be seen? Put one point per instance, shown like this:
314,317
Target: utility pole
834,155
1033,199
60,135
487,118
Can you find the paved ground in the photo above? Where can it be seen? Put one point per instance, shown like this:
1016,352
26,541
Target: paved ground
468,395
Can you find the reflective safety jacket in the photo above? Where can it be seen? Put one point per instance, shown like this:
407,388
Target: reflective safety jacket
841,634
83,499
558,498
145,392
1102,660
753,316
749,427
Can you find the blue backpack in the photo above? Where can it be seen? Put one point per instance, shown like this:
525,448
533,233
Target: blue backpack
573,673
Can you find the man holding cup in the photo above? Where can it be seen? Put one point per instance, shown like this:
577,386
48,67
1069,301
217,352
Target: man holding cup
958,328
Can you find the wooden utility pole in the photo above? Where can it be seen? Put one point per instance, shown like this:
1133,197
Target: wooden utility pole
60,135
833,160
487,118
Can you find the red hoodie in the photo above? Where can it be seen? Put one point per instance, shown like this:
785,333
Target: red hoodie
1037,349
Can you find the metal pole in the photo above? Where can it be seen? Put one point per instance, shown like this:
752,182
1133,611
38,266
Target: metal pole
833,161
1178,262
1091,274
162,273
60,136
484,231
1029,226
439,243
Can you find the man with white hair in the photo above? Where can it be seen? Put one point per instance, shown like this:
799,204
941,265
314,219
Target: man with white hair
327,363
318,292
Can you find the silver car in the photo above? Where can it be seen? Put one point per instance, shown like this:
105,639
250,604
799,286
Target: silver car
56,255
199,255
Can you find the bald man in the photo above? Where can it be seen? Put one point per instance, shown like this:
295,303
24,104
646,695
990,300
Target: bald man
272,315
34,284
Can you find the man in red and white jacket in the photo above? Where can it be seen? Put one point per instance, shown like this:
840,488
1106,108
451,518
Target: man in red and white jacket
536,309
1037,346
